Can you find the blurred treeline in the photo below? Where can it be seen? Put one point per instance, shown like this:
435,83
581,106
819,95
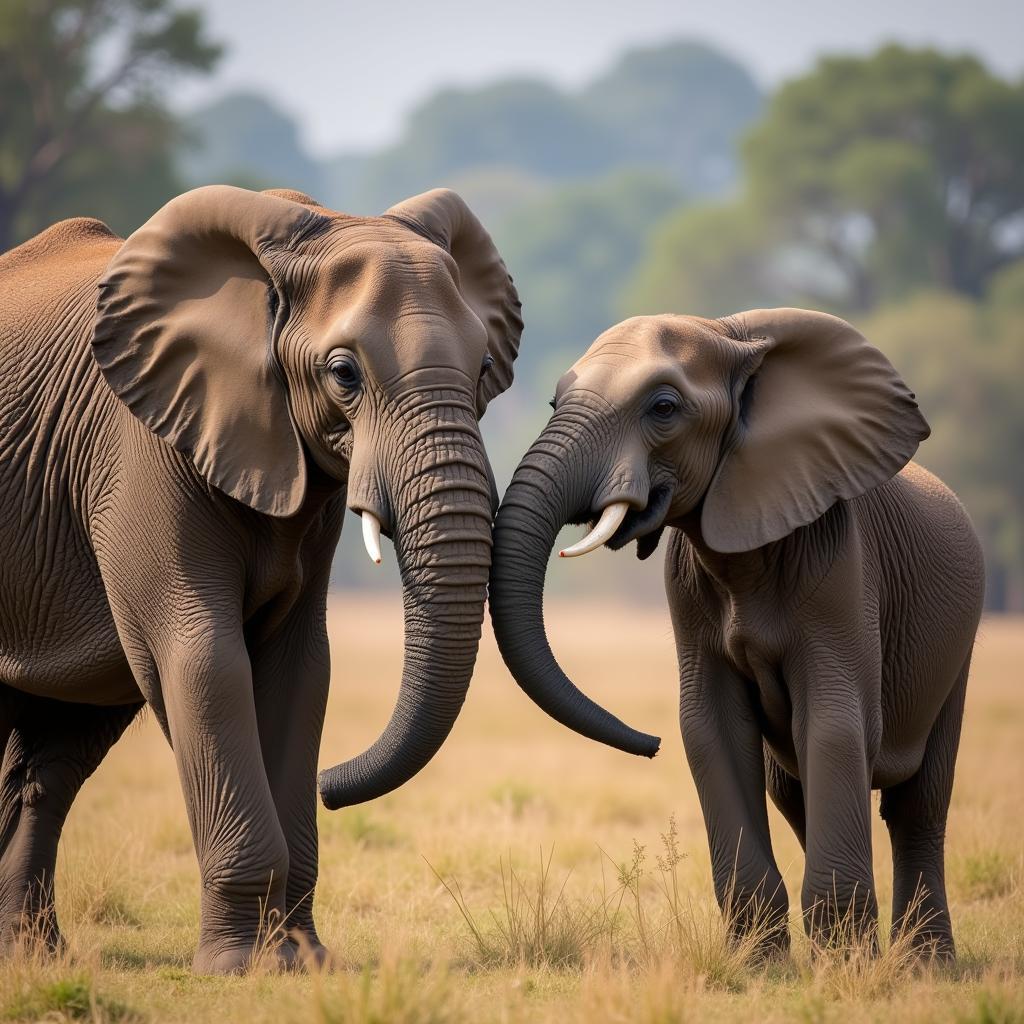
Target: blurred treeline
888,189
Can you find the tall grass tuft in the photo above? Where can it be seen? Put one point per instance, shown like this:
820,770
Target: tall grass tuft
676,930
644,922
537,926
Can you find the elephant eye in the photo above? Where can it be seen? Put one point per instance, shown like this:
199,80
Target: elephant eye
345,373
664,407
551,402
486,365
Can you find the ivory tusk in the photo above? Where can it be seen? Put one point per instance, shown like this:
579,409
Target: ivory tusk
371,536
611,519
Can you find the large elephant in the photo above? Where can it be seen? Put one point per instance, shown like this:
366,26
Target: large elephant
174,469
824,594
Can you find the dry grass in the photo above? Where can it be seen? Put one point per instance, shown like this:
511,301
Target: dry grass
584,873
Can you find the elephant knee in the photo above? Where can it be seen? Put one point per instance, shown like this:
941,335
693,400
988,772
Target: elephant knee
252,871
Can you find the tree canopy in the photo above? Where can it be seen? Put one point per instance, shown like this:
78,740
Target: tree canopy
243,138
899,169
85,131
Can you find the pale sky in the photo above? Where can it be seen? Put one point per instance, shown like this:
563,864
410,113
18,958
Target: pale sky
349,70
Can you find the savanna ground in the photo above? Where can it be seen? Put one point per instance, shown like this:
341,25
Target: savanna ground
625,928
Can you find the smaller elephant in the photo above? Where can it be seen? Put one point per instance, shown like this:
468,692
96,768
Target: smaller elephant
824,590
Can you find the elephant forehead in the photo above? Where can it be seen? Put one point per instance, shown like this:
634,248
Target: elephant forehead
396,300
378,266
644,351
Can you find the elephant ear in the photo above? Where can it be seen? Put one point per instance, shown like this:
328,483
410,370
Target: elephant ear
443,217
822,416
185,337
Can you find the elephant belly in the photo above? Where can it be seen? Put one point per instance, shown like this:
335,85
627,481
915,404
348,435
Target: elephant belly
73,654
57,634
96,676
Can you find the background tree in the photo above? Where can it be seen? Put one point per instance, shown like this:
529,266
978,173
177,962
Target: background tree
897,170
244,139
85,131
678,109
711,260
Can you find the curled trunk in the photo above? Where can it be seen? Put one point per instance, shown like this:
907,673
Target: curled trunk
443,546
547,491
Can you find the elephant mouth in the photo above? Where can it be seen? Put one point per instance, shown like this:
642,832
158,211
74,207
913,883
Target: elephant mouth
644,525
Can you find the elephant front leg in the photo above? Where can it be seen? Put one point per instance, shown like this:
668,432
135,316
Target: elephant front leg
724,749
243,856
835,750
292,674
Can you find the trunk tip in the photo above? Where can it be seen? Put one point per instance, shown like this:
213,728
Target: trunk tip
330,790
646,746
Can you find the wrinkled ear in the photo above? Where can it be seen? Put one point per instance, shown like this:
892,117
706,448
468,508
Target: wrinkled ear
822,416
443,216
187,320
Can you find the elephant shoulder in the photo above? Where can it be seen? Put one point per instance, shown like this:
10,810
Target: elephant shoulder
46,280
68,241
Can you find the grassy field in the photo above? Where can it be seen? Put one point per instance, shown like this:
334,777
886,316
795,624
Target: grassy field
618,924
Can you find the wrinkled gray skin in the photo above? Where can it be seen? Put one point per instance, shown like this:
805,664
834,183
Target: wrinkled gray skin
824,595
173,475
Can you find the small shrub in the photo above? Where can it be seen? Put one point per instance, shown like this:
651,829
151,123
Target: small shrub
62,999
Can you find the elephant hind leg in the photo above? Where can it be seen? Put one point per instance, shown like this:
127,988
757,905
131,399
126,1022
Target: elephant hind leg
52,749
787,794
915,813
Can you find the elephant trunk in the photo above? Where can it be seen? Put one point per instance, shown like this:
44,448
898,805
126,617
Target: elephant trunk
442,538
548,490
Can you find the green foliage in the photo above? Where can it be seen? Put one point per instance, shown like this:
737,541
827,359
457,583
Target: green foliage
570,252
519,123
678,109
244,139
85,130
708,260
70,998
900,169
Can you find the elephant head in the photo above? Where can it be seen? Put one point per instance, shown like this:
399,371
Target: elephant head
739,430
269,339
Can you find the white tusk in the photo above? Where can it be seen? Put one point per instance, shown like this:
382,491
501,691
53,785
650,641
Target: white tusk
611,519
371,536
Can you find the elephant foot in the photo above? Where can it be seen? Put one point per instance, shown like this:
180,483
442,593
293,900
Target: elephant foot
310,954
35,933
770,947
932,947
759,924
271,957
